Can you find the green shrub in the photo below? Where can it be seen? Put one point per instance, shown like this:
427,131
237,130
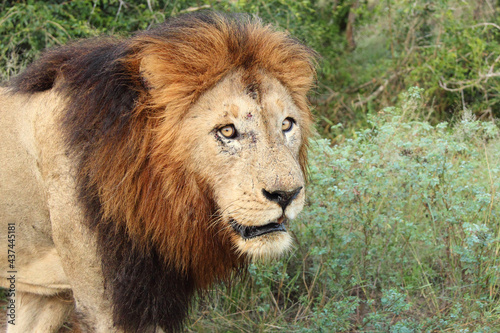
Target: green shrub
448,47
28,27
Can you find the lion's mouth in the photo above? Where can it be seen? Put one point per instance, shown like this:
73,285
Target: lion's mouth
247,232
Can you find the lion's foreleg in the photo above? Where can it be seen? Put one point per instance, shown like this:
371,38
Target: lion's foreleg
39,313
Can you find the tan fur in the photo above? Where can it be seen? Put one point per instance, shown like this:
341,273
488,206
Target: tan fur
173,183
55,254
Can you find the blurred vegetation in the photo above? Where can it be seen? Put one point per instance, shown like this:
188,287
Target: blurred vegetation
372,50
401,232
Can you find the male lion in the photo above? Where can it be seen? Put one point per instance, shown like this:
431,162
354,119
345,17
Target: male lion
137,172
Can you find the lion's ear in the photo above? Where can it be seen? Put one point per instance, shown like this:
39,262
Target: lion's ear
149,66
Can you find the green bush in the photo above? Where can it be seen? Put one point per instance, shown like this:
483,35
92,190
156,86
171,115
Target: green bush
28,27
372,50
450,48
401,234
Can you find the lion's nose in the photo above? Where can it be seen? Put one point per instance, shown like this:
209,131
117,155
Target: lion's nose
282,198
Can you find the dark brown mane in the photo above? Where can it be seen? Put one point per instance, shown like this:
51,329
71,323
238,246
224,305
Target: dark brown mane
126,101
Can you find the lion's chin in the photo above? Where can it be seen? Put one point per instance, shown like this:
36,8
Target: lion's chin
268,246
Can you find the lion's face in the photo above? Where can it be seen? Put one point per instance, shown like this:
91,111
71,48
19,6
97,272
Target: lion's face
246,145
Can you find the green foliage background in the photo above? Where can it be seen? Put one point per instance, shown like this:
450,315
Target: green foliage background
450,48
401,232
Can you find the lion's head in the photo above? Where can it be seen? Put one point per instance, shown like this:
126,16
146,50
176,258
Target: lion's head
244,139
190,141
238,118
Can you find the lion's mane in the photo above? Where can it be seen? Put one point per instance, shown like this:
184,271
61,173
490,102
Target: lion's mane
123,123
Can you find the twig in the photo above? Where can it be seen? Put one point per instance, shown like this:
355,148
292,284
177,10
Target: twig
119,9
469,83
92,12
277,307
445,87
486,24
379,90
374,95
193,9
364,85
463,100
492,191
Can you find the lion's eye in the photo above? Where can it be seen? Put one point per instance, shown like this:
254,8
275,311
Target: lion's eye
287,124
228,131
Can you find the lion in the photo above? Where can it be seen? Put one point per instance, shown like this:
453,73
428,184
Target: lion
137,173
